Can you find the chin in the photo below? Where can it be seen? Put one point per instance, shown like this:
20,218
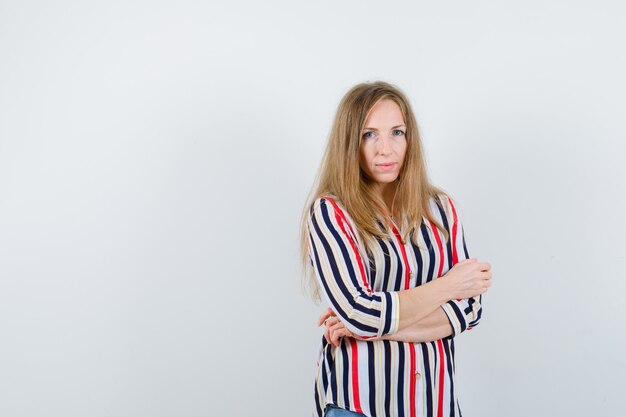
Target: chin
386,180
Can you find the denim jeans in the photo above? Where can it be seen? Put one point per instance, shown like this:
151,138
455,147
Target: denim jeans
334,411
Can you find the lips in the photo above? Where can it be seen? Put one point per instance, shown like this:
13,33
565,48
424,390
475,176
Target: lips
386,167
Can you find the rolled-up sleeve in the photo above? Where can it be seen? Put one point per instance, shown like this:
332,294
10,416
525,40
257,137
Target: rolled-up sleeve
463,314
340,272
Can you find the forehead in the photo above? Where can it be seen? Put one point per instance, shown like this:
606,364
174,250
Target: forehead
385,112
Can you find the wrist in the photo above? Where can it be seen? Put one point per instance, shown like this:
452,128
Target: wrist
443,290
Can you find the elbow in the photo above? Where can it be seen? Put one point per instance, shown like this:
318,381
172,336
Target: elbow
473,323
474,319
463,315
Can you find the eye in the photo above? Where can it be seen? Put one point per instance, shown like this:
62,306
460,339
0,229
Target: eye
398,132
368,135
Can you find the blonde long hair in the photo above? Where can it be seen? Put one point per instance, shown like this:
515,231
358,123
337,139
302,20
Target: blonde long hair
340,175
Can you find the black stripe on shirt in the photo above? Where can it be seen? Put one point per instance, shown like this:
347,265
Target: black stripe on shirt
420,264
401,379
371,363
398,284
428,380
446,226
346,373
387,359
386,262
431,253
448,362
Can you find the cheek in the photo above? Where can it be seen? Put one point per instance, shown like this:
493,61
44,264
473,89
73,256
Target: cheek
364,158
402,149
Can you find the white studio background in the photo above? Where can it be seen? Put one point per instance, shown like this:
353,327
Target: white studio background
155,157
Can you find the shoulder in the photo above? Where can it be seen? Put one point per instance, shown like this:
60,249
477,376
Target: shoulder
329,210
328,203
445,205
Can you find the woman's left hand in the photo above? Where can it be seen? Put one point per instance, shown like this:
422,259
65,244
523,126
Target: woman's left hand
335,329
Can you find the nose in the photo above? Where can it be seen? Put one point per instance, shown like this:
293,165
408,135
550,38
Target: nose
384,147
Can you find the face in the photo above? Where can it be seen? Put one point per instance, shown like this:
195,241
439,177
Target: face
383,143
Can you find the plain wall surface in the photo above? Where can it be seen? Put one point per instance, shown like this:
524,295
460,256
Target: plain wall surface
155,158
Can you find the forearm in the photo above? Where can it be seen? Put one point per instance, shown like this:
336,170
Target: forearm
434,326
416,321
422,304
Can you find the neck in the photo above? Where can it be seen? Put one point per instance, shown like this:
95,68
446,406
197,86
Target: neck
388,192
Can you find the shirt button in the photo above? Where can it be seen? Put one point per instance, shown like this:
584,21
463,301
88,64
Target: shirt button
418,375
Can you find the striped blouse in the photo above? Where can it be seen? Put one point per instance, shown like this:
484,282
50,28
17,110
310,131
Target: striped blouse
384,377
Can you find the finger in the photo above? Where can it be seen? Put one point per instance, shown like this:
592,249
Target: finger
331,321
336,332
333,340
344,333
326,314
485,266
336,326
484,275
329,337
336,335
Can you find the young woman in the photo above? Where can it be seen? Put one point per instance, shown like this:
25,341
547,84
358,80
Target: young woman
386,250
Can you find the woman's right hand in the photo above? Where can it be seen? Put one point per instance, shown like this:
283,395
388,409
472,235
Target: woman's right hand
335,329
468,278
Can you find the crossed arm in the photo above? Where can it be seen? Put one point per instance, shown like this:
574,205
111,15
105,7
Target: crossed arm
440,308
434,326
426,318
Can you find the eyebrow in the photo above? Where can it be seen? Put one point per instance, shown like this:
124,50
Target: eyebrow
373,128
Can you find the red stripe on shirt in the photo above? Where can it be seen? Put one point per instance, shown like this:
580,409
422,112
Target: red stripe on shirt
412,354
455,255
440,395
341,213
355,375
